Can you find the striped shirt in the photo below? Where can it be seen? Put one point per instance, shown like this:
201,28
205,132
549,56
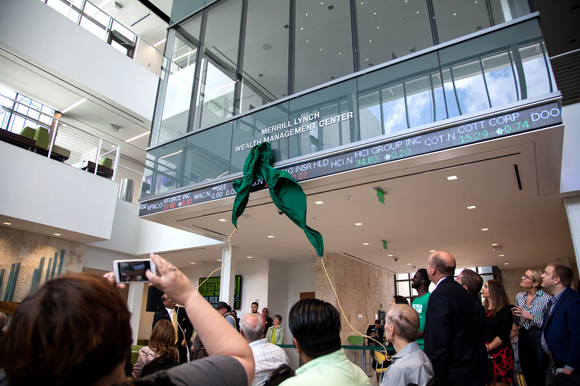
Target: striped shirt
537,308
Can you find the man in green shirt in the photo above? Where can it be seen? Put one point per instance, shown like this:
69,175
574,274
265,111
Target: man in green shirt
315,326
420,283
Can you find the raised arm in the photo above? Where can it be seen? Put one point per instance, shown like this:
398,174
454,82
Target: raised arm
218,337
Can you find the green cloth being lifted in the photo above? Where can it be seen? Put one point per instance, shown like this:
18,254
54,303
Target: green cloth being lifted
286,193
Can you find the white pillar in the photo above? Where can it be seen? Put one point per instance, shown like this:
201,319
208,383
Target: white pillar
134,302
507,13
228,274
573,211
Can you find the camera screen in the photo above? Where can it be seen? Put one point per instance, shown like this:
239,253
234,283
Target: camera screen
133,270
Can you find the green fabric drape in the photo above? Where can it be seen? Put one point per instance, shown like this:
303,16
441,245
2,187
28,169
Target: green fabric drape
286,193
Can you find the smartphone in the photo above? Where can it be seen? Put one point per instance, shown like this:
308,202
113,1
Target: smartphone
132,271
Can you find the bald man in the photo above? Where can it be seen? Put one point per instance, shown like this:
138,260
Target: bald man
450,325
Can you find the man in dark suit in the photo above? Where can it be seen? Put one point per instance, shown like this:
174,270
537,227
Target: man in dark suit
182,325
450,326
377,332
472,282
561,329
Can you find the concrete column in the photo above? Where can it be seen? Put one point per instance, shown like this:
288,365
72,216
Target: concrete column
228,274
134,302
573,211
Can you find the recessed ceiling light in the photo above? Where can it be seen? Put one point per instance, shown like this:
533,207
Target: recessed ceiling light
409,264
83,100
57,234
365,243
452,178
484,229
270,237
219,259
136,137
433,250
318,202
222,220
390,255
159,42
494,244
471,207
193,262
249,257
7,223
358,224
506,263
501,255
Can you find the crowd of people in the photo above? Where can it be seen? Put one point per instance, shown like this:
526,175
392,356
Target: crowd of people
75,331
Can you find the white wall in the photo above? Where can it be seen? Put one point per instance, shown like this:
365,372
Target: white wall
570,174
43,191
254,284
301,278
48,39
278,294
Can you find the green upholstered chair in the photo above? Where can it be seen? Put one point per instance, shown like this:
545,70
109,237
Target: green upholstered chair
42,138
106,162
28,132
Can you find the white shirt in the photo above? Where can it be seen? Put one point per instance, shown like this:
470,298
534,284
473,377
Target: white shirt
171,312
267,357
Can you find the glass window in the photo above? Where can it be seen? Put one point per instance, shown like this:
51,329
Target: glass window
323,43
536,72
469,87
391,29
183,8
265,66
459,17
215,99
166,166
181,72
95,21
64,8
500,79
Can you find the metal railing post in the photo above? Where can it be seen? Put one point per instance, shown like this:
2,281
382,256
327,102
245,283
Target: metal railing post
117,157
98,156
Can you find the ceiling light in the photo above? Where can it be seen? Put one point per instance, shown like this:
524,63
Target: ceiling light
471,207
318,202
484,229
358,224
506,263
433,250
159,42
301,29
74,105
219,259
409,264
501,255
390,255
494,244
139,136
365,243
453,14
270,237
249,257
7,223
222,220
57,234
193,262
452,178
169,155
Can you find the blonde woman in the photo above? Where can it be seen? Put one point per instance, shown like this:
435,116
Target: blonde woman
529,313
161,344
275,334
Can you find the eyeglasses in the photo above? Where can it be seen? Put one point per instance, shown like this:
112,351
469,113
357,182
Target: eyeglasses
527,277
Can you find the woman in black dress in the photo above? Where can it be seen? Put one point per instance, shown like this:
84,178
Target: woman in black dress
499,325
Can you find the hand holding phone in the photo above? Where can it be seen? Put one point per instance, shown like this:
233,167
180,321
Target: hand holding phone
132,271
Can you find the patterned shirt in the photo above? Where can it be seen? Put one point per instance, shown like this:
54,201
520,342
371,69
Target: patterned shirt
267,357
537,308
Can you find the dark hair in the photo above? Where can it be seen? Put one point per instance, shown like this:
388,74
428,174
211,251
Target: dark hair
423,275
162,340
74,330
257,305
563,272
472,280
400,300
315,324
378,321
279,317
441,265
498,297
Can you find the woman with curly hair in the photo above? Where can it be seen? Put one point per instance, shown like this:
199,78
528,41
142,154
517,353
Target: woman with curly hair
161,344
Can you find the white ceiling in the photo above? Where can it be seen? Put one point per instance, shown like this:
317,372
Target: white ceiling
423,211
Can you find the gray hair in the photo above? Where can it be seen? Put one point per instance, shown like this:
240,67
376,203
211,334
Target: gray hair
252,327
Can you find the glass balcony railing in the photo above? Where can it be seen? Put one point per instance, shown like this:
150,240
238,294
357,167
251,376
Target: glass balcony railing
28,124
504,66
97,22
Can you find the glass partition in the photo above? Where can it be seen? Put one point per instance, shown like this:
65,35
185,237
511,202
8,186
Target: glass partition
489,71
